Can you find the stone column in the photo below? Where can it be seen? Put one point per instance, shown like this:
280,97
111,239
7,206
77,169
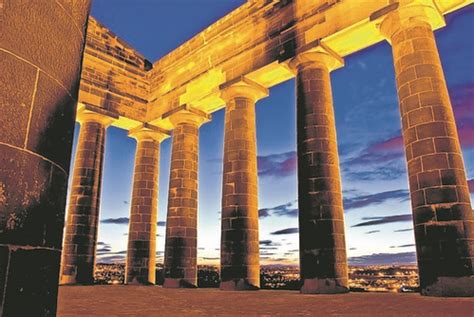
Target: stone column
40,63
442,213
80,237
240,257
323,262
180,268
141,253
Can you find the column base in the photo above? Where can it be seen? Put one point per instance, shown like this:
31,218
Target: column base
179,283
323,286
448,286
238,285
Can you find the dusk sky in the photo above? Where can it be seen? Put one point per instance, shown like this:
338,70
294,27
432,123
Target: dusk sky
377,207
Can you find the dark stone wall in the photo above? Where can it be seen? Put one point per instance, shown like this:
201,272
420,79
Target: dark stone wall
40,62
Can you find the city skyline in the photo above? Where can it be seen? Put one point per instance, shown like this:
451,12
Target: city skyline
377,210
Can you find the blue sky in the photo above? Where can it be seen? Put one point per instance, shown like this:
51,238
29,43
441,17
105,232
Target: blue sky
377,207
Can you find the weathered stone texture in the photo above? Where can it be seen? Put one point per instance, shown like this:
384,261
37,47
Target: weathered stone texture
323,263
80,238
39,90
256,40
114,75
180,268
141,252
443,217
240,256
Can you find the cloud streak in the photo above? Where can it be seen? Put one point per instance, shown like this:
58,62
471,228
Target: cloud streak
125,221
372,232
285,231
116,221
289,210
384,259
403,230
373,221
375,199
402,246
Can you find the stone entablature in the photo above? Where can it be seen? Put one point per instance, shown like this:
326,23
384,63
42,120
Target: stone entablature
255,40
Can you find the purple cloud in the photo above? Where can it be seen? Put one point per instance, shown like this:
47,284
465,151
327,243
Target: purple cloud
393,144
277,165
381,160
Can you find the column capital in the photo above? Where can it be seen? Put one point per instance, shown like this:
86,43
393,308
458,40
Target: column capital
322,55
411,12
86,113
243,87
147,131
187,114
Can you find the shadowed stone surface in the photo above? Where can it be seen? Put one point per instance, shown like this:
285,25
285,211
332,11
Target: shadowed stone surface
442,213
156,301
240,256
323,258
141,252
80,238
39,84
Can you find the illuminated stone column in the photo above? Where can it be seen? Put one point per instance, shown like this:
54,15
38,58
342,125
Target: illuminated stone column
240,258
442,213
41,46
141,253
181,224
323,261
80,237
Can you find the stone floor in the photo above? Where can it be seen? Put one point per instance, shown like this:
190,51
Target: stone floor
156,301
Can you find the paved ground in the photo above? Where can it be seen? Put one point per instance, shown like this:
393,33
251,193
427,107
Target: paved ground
155,301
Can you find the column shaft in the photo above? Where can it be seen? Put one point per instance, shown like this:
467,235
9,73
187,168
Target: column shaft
443,218
240,267
141,254
181,225
80,238
323,260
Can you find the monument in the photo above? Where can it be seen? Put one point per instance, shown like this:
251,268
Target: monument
231,64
